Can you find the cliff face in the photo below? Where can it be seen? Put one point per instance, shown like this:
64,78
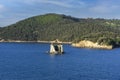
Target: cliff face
89,44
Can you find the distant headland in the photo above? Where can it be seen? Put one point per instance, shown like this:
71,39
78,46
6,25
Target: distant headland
48,27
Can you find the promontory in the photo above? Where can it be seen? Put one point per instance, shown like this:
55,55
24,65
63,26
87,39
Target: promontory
47,27
90,44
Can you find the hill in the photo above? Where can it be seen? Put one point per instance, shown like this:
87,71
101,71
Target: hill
66,28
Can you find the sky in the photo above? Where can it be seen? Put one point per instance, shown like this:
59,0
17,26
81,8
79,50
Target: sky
12,11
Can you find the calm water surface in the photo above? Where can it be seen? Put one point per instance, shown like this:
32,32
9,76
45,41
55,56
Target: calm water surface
29,61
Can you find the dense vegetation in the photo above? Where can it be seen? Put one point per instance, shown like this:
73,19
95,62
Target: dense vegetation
66,28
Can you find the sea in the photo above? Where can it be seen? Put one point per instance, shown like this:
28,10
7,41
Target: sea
30,61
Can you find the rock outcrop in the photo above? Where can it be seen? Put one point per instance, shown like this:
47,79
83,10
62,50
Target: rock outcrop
90,44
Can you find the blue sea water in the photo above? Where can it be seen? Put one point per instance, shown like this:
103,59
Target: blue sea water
29,61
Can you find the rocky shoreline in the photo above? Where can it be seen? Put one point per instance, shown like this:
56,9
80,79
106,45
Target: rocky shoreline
81,44
90,44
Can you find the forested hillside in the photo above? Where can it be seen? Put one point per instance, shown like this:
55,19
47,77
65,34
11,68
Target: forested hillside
66,28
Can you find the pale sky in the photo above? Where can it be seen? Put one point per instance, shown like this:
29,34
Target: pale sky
12,11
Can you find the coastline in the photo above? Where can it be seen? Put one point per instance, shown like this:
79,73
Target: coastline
81,44
19,41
